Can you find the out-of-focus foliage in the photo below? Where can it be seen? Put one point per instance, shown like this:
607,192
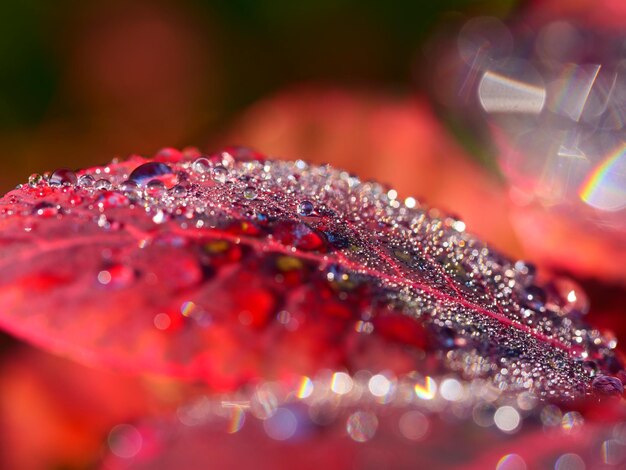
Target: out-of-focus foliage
80,81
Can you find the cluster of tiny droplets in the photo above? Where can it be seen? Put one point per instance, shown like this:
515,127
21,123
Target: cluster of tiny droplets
486,312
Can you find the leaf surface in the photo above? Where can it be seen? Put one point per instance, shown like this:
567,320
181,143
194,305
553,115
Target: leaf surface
233,268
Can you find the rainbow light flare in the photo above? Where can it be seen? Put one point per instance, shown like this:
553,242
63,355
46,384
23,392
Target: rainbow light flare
605,187
426,390
237,419
306,388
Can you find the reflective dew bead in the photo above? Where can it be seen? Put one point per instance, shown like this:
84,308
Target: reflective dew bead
155,188
305,208
63,177
202,165
178,191
102,184
130,188
45,209
219,174
86,181
149,171
607,385
534,297
35,179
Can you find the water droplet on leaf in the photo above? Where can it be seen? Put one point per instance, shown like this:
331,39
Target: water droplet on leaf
305,208
607,385
150,171
63,177
219,174
35,179
155,188
250,193
202,165
103,184
46,209
86,181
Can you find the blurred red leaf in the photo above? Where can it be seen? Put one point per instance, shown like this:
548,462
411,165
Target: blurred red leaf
397,140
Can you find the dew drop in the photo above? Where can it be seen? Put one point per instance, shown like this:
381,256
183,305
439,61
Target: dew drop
525,272
159,217
116,276
281,425
86,181
155,188
35,179
46,209
250,193
305,208
110,199
219,174
63,177
534,297
607,385
130,188
178,191
567,296
361,426
103,184
148,172
125,441
202,165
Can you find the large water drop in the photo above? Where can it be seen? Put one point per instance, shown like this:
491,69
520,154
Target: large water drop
149,171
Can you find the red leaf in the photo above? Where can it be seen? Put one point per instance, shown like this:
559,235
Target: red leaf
231,268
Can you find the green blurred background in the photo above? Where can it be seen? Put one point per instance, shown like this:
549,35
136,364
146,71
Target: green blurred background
82,81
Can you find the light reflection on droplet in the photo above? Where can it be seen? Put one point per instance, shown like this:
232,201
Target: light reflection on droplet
162,321
125,441
605,187
526,401
159,217
482,414
484,36
413,425
341,383
612,452
361,426
104,277
459,226
570,90
559,40
451,390
187,308
572,421
426,389
499,93
306,388
201,165
569,462
194,413
264,403
619,432
507,418
237,419
281,425
511,462
551,415
379,385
